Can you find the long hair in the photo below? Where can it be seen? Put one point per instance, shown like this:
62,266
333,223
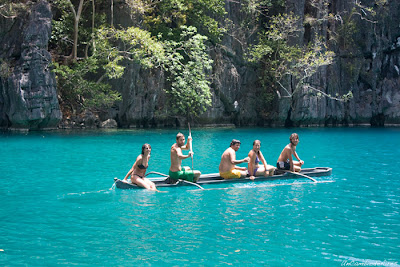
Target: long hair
293,136
255,141
144,146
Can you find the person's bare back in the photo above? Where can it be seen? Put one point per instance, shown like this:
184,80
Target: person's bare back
227,166
227,158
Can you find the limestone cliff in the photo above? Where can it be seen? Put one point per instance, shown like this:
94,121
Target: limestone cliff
367,63
368,66
28,96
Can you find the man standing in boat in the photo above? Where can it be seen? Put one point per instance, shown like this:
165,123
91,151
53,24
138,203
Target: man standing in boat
285,160
176,171
227,167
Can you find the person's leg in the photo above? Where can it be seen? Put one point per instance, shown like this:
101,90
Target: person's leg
297,166
140,182
243,174
150,184
260,171
271,169
196,174
233,174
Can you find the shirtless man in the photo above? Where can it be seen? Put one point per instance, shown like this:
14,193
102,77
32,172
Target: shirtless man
227,167
176,171
285,160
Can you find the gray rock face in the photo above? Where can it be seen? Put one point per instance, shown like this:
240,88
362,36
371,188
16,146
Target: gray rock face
143,98
144,101
369,68
28,96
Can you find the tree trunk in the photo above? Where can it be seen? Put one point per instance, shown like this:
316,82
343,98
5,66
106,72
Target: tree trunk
112,13
77,16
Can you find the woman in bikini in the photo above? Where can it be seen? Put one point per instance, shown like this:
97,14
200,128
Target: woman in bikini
138,170
253,168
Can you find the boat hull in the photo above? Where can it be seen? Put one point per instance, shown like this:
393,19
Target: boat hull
214,178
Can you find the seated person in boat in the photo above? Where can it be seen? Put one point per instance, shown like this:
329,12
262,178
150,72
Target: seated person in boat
138,170
285,160
176,171
227,167
253,167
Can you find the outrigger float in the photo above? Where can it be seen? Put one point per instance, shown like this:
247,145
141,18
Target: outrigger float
213,178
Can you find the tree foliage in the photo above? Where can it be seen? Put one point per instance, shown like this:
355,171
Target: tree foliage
173,35
185,62
78,90
9,9
286,60
173,44
167,17
290,64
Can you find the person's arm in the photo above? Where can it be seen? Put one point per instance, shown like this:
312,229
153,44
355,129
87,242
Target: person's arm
234,161
297,157
130,172
265,164
187,146
133,167
250,165
240,168
181,156
291,159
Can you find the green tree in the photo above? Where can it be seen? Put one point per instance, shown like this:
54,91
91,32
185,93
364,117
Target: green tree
290,64
77,13
176,48
80,91
168,16
185,62
79,79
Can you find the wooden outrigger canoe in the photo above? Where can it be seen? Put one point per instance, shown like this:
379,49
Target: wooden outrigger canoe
214,178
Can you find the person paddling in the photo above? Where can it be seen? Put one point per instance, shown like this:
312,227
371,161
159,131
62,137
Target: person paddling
176,171
138,170
285,160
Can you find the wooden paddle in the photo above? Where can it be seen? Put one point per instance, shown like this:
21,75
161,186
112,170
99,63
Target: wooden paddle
191,147
184,181
300,174
159,173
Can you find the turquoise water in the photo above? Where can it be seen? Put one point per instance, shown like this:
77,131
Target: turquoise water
57,207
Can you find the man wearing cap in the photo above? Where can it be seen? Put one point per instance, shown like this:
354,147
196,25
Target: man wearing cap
227,167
